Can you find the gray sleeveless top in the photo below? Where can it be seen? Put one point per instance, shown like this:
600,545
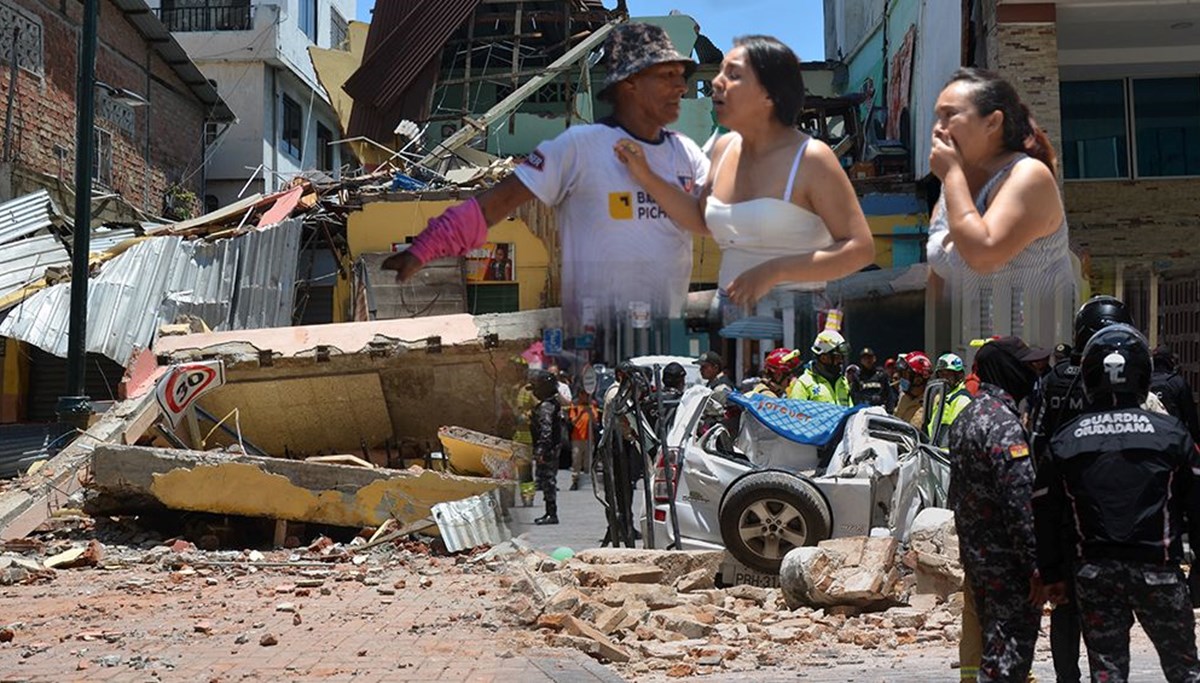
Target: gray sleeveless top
1033,296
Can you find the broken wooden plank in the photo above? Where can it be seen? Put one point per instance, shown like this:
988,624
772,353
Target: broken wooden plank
352,460
129,477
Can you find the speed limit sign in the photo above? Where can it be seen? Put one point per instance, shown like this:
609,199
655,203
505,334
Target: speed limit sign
183,384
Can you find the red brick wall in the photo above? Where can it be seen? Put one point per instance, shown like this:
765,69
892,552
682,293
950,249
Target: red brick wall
44,114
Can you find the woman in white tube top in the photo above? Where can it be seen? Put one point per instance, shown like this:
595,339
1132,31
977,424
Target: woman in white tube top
998,236
777,202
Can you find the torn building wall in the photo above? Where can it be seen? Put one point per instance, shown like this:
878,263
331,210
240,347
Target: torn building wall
347,387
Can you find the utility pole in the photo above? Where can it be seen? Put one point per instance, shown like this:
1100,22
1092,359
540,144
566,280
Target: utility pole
74,407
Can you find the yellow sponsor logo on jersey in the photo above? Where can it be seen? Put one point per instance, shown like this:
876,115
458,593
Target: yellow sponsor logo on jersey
620,205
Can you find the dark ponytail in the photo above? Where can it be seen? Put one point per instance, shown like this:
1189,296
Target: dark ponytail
992,93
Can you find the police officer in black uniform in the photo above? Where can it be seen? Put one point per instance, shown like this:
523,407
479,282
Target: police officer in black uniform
1173,390
1127,478
1060,399
873,386
545,426
674,380
991,488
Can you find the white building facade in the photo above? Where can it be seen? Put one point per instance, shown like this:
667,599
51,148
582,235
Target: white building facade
257,54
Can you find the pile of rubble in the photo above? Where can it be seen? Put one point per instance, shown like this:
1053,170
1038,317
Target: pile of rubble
660,611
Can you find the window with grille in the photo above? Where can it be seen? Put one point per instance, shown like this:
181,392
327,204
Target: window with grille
102,158
21,35
292,136
339,31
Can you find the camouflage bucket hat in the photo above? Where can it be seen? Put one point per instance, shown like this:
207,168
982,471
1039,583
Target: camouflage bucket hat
634,46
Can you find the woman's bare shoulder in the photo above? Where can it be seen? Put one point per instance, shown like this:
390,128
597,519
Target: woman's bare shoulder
722,143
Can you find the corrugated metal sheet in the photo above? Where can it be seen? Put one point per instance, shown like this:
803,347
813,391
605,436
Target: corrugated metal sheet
24,216
471,522
21,445
222,283
754,327
391,33
266,293
103,239
404,37
26,260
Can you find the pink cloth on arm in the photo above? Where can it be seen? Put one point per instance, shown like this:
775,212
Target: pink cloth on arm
458,230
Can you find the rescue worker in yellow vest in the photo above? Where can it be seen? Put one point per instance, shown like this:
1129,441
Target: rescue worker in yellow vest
823,379
950,370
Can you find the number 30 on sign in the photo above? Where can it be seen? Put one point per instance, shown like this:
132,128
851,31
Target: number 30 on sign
183,384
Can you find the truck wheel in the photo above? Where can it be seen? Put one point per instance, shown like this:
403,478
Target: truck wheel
767,514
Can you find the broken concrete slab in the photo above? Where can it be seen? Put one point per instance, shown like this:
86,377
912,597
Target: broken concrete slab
129,477
674,563
604,574
682,624
933,553
698,580
607,648
856,572
484,455
653,595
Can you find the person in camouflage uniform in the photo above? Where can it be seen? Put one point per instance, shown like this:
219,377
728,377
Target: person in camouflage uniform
1126,476
991,485
545,425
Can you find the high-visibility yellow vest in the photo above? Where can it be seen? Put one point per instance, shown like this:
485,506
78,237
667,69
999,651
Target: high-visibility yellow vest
811,386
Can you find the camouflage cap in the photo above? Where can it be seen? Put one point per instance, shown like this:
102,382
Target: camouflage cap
634,46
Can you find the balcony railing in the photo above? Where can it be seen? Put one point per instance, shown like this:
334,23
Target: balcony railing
211,16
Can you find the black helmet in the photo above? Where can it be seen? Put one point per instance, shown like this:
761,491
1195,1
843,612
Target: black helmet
1098,312
1116,362
543,384
673,375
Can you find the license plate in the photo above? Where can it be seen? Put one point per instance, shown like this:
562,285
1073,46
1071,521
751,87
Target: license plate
734,573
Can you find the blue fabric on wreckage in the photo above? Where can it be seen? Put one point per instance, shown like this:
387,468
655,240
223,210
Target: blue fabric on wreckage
807,422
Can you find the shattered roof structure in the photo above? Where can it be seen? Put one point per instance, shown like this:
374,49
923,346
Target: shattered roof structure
411,44
245,282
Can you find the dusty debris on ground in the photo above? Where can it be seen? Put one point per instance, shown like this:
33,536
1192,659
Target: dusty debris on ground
603,602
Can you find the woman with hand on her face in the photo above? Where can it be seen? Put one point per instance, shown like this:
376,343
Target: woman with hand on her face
777,202
998,236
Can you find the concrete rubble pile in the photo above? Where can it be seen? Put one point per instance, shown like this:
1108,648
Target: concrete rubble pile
660,611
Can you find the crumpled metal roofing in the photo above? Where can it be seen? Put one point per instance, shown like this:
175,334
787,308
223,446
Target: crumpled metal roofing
104,239
22,444
26,215
471,522
25,261
240,283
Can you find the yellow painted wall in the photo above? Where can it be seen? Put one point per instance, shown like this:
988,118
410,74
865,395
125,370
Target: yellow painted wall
334,68
379,224
14,381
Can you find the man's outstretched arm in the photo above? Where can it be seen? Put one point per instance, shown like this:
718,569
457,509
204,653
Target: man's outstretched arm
460,228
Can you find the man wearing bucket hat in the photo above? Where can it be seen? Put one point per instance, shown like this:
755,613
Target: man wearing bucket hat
618,246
